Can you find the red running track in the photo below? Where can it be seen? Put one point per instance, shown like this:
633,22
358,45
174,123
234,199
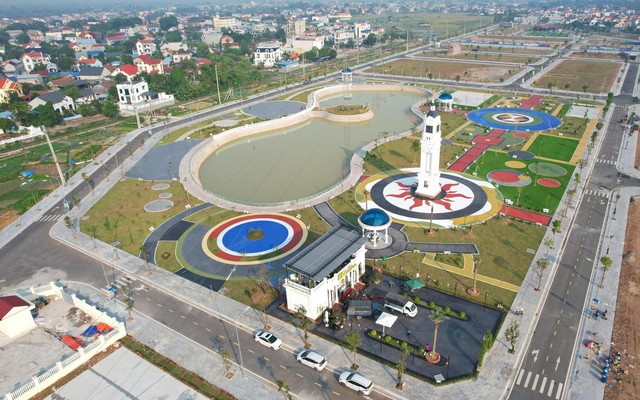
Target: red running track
525,215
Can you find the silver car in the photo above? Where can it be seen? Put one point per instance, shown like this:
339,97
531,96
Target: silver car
312,359
267,339
357,382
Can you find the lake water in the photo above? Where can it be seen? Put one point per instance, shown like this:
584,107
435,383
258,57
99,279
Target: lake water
305,159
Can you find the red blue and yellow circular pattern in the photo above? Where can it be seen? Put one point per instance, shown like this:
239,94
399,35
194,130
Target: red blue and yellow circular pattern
279,235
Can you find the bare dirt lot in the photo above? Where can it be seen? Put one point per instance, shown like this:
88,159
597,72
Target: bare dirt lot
587,75
626,329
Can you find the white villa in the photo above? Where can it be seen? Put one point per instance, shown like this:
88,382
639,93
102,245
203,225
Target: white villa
319,275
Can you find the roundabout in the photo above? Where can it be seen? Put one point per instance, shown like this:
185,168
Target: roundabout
513,119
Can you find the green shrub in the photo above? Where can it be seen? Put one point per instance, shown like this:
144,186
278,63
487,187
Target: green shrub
403,345
447,310
416,299
463,315
387,339
374,334
432,304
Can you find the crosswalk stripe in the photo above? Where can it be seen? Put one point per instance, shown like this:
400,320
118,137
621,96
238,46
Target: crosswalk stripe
551,384
520,375
526,381
535,382
559,393
542,384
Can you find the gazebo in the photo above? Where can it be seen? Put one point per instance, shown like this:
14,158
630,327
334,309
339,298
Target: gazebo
375,224
447,100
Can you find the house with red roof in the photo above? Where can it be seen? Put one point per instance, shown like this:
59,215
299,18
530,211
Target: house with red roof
89,62
149,65
7,86
32,58
15,316
127,70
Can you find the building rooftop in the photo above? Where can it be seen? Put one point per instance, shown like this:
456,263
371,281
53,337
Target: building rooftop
321,258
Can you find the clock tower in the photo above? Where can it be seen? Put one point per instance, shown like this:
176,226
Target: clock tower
429,174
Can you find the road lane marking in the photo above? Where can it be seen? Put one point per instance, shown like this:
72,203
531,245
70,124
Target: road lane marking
526,381
266,359
183,317
546,359
170,310
551,385
250,351
562,311
535,382
542,373
555,333
208,330
558,323
542,384
570,282
220,336
559,391
283,367
336,393
195,323
300,376
520,375
317,384
551,345
159,305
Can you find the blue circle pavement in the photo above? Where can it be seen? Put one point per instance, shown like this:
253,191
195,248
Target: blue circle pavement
235,238
512,119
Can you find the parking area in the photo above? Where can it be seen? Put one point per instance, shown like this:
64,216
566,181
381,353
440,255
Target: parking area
458,341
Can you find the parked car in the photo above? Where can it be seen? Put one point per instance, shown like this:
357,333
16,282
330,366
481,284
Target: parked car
357,382
312,359
267,339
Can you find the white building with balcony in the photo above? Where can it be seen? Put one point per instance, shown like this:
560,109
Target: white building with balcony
134,96
318,276
267,53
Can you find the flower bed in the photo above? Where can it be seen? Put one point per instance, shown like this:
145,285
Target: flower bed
398,344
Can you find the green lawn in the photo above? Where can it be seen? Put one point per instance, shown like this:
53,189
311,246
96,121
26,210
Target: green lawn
165,256
532,197
120,216
554,147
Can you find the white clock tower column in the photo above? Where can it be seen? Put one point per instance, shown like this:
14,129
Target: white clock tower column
429,174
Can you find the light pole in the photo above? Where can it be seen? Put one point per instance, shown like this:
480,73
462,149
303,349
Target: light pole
238,339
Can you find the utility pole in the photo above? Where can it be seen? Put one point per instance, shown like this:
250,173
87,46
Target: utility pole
215,66
55,158
407,41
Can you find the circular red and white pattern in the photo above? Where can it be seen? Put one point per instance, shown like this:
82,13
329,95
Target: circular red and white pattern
512,118
457,197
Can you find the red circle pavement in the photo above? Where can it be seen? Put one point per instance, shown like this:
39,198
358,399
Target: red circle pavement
546,182
504,176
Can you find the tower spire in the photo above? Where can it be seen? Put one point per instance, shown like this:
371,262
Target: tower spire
429,173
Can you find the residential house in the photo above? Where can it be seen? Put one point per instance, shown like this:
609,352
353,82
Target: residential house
267,54
7,86
13,68
173,47
306,43
93,74
226,41
179,56
127,70
145,63
89,62
145,46
135,96
225,22
86,96
211,37
32,79
60,101
31,59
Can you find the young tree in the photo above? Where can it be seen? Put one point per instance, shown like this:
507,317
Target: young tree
548,243
555,226
541,266
128,300
511,334
606,264
401,366
301,315
284,388
354,341
415,148
69,224
110,109
438,316
144,251
226,360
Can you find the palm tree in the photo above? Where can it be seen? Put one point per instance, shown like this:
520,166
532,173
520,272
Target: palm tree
401,366
69,224
366,200
437,316
474,290
354,340
606,264
301,314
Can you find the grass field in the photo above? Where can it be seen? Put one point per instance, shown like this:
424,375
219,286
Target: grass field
466,71
451,23
554,147
591,54
533,197
120,215
587,76
572,127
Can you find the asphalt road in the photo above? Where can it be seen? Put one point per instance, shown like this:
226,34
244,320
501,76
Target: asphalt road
547,367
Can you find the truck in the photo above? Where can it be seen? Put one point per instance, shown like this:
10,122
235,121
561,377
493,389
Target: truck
397,302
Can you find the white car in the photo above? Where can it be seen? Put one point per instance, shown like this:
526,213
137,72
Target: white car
267,339
357,382
312,359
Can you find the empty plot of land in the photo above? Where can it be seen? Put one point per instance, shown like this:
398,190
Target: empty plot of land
518,39
582,112
588,76
511,50
592,54
500,56
447,70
